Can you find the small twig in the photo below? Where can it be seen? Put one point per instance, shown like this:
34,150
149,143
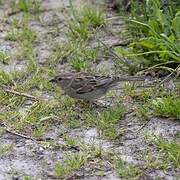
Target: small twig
165,79
155,67
19,94
127,62
168,76
20,135
7,129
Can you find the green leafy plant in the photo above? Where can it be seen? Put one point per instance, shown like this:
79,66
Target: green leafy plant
157,36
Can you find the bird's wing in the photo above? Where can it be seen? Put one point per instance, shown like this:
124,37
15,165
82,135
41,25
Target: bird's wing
104,80
86,84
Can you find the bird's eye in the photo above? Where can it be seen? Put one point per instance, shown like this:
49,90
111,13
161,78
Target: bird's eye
59,78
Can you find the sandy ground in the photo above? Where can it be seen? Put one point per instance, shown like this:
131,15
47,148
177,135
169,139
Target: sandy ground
36,160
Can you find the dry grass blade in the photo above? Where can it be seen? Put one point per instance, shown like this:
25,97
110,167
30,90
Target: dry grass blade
7,129
175,70
125,61
20,94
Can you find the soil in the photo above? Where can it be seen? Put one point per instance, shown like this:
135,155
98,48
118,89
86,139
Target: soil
32,158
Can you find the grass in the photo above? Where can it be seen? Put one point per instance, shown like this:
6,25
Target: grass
23,34
83,58
163,105
106,121
38,114
5,149
27,178
129,89
75,161
71,163
72,142
126,171
93,17
30,6
2,132
61,52
143,112
154,162
79,56
28,80
26,39
79,31
4,57
36,117
33,119
171,149
167,107
84,22
5,78
61,170
16,173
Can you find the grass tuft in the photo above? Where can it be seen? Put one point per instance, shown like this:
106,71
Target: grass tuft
84,22
167,107
27,6
71,163
106,120
5,149
126,171
4,57
23,34
170,148
93,17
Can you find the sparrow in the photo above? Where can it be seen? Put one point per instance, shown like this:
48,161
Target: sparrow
89,87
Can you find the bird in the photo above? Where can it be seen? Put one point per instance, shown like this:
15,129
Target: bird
84,86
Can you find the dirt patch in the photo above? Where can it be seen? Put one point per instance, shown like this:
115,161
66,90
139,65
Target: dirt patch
36,158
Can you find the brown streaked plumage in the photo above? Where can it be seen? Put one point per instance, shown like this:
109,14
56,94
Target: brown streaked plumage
89,87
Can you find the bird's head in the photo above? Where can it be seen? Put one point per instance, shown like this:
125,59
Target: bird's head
62,80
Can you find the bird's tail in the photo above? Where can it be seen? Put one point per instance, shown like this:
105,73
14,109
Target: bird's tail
130,78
